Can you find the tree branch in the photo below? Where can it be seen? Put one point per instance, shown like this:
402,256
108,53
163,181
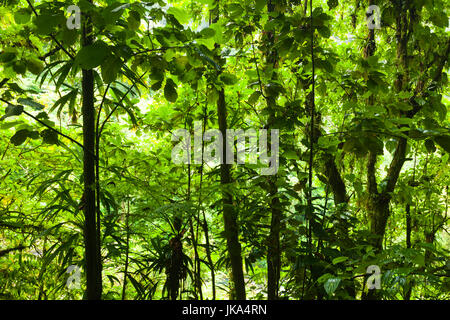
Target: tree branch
52,36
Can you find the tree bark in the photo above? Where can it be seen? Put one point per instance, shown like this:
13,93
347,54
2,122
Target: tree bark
273,247
229,212
127,250
92,249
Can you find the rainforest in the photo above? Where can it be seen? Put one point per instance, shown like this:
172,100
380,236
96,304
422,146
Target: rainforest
224,150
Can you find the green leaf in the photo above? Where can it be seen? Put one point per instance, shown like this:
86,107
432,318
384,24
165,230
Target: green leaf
429,145
22,16
70,36
179,14
228,78
390,145
254,97
92,56
324,32
331,285
134,20
440,19
290,154
332,3
207,33
7,125
443,142
31,103
6,56
355,146
46,23
35,66
156,86
49,136
12,110
170,92
20,67
235,10
403,106
110,69
323,278
374,144
339,260
19,137
420,260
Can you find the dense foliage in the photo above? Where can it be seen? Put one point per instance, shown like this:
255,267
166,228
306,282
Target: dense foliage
88,180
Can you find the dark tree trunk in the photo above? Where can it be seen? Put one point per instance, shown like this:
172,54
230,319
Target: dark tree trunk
273,250
408,226
127,250
92,254
273,247
229,212
205,222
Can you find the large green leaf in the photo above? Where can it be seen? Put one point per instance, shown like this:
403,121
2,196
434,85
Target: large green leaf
19,137
443,141
31,103
170,91
181,15
92,56
110,69
12,110
35,66
49,136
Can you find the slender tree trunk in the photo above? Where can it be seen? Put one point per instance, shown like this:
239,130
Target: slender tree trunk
194,238
197,270
408,226
42,284
208,255
229,212
205,222
231,227
127,250
92,254
273,248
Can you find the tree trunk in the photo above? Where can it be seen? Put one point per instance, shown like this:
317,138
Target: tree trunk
273,247
229,213
273,250
92,254
127,250
205,222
